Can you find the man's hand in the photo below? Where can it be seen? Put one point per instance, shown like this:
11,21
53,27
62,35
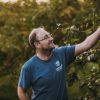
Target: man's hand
98,32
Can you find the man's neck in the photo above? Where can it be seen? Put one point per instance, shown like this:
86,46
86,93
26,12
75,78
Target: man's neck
44,56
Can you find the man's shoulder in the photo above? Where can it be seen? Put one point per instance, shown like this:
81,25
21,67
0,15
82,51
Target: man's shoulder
57,49
30,62
62,49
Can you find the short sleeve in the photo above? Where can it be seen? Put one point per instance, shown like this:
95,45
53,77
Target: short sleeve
25,77
66,54
70,54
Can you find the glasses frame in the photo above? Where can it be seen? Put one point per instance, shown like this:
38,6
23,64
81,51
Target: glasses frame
47,36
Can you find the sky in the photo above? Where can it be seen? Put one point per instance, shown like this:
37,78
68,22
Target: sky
38,1
8,0
41,1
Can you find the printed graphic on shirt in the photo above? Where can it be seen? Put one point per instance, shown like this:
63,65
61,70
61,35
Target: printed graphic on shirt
59,65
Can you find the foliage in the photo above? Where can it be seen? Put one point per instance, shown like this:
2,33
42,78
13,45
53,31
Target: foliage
69,21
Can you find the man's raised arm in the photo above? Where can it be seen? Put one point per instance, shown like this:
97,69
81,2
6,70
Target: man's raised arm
88,43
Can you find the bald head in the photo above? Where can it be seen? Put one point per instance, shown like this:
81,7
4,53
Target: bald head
33,35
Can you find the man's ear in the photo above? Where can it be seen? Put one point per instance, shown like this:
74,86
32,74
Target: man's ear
36,44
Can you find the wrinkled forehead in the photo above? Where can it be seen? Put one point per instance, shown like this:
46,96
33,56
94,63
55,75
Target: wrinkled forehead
41,33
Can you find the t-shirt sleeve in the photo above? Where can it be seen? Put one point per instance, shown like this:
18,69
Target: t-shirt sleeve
24,78
70,54
67,54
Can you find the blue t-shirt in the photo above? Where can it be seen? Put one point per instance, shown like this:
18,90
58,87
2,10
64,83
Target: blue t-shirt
48,78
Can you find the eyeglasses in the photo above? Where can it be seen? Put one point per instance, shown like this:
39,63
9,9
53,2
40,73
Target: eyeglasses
47,36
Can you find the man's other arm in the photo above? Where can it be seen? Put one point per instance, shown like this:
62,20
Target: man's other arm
88,43
22,94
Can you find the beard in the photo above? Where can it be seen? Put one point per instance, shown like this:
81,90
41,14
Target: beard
48,49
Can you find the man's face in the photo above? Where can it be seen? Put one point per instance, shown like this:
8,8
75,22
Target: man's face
45,40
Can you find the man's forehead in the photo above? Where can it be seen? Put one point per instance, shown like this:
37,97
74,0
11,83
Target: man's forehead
42,32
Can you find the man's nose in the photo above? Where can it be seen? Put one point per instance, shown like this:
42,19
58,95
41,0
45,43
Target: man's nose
51,38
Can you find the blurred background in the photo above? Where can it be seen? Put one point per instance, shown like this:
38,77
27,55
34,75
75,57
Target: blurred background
70,22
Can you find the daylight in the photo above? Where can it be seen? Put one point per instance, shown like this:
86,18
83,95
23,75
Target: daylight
8,1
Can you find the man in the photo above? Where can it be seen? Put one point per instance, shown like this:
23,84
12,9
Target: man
45,71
